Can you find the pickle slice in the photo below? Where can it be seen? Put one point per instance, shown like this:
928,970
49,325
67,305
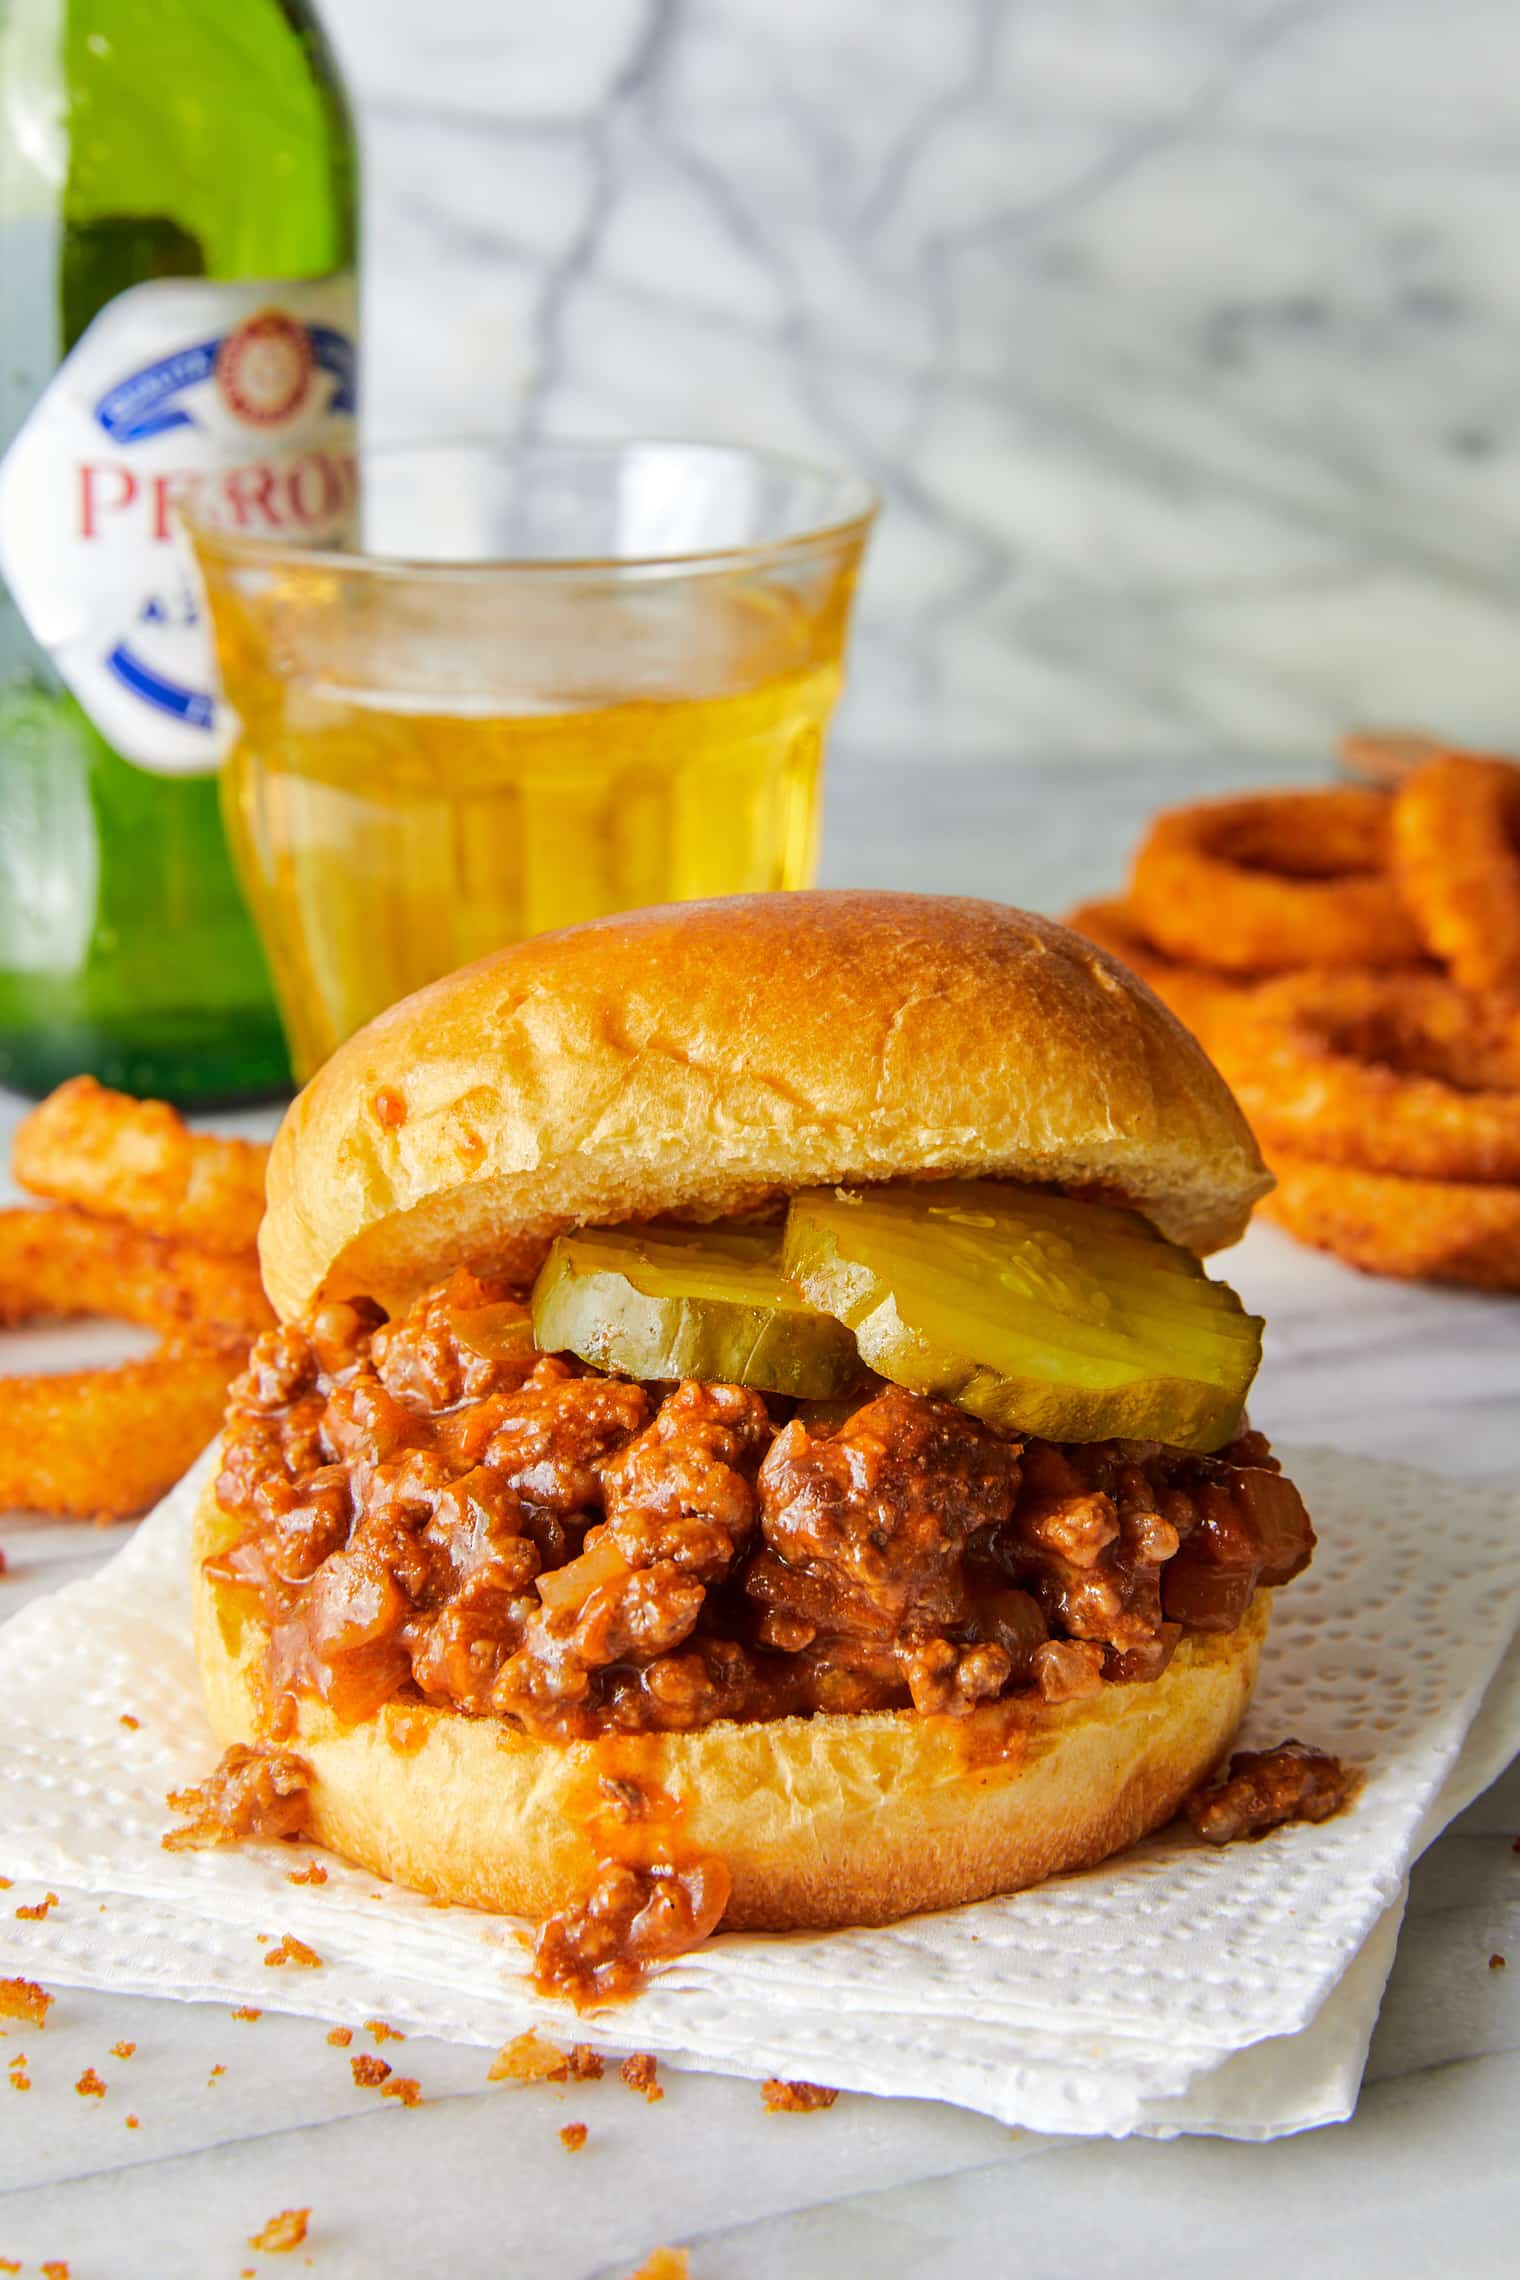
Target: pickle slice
1041,1313
689,1302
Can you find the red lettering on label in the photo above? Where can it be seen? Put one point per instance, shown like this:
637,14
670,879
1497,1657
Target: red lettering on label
165,491
247,489
104,489
315,489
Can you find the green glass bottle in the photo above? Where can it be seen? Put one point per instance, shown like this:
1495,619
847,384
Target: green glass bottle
177,243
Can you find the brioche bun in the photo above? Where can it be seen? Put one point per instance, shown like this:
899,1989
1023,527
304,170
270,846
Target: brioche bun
820,1821
696,1059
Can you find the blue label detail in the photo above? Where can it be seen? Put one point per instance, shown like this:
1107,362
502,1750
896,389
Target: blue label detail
193,706
146,403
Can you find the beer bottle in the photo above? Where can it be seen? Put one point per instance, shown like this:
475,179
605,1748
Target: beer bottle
177,241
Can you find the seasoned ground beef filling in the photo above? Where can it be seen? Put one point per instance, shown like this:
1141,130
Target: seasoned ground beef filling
526,1538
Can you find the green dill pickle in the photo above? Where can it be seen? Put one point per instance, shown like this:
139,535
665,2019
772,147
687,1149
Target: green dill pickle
689,1302
1043,1314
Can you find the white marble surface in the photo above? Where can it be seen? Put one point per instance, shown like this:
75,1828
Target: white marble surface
1179,334
474,2181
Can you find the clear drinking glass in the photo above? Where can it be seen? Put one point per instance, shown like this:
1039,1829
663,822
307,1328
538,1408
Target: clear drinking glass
548,683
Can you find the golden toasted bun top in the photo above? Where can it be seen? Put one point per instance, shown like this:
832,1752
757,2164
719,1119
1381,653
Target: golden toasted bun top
696,1058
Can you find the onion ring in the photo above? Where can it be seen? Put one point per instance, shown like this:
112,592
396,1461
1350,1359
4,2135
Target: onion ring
108,1442
65,1263
1394,1073
1196,995
139,1161
103,1444
1456,857
1414,1230
1275,881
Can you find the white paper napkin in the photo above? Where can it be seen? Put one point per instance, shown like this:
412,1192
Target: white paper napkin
1169,1990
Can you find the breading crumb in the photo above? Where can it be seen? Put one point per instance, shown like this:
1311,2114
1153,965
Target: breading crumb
1496,1963
24,1999
55,2269
247,2011
340,2037
573,2136
19,2080
132,2122
312,1873
639,2073
383,2033
368,2071
215,2075
796,2097
123,2050
90,2085
406,2088
529,2058
126,1719
664,2264
38,1914
281,2234
292,1950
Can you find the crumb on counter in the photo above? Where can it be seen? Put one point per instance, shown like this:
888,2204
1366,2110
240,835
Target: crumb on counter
529,2058
282,2233
18,2077
640,2072
312,1873
6,1882
340,2037
24,1999
292,1950
55,2269
795,2097
126,1719
90,2085
405,2087
1497,1963
132,2123
368,2071
9,2264
215,2075
247,2011
382,2032
573,2136
38,1914
664,2264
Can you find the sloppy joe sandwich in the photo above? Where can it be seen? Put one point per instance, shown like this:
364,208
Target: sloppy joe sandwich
750,1438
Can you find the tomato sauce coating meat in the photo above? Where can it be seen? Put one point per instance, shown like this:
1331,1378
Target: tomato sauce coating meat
435,1511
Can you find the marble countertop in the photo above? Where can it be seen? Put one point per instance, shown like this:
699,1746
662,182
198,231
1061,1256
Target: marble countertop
475,2181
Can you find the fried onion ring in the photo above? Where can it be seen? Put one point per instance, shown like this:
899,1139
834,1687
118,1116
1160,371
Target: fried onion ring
65,1263
1394,1073
1195,995
1456,857
103,1444
108,1442
139,1161
1448,1231
1275,881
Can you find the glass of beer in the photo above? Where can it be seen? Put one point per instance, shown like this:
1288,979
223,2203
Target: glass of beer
548,682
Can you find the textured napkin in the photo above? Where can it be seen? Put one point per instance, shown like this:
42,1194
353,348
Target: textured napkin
1180,1987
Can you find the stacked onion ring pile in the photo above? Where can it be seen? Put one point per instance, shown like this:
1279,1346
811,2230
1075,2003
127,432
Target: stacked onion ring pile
153,1224
1351,959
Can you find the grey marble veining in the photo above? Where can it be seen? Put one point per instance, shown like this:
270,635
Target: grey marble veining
1180,335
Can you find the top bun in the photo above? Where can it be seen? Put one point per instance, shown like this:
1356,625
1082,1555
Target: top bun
699,1057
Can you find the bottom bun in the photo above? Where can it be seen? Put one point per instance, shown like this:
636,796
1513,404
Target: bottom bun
821,1821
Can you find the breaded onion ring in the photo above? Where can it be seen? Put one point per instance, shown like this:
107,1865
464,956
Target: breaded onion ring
1275,881
138,1160
1196,995
1456,857
103,1444
108,1442
1395,1073
65,1263
1415,1230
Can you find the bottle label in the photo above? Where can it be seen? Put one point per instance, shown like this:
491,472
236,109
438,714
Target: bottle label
244,393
